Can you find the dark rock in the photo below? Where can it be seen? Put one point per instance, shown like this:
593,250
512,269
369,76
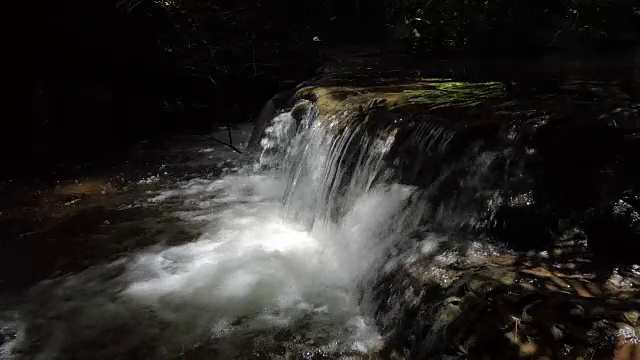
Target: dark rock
301,110
614,230
477,314
578,310
557,332
267,113
523,227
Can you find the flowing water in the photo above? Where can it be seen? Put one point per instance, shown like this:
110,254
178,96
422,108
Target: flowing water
273,254
288,240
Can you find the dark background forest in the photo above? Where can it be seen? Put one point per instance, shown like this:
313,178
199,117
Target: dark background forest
105,73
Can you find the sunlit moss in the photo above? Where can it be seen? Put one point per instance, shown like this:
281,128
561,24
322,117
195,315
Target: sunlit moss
452,93
432,93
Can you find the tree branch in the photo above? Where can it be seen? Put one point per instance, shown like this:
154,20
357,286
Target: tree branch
225,144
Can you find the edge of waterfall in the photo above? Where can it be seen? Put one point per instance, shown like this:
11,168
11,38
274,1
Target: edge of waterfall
488,255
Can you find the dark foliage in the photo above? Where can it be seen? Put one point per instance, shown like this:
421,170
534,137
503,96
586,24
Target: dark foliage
107,72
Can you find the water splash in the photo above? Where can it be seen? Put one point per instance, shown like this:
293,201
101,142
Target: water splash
288,246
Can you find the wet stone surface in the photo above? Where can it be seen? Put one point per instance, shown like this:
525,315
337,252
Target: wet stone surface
470,302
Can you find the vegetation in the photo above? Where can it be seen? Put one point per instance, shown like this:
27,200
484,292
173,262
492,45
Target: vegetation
142,67
519,25
458,94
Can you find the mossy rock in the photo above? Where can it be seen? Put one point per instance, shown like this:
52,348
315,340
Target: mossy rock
455,101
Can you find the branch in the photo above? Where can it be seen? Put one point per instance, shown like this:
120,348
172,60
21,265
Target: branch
225,144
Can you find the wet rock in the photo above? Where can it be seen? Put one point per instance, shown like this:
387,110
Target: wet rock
301,109
614,231
266,115
557,332
412,96
577,311
523,227
632,317
480,315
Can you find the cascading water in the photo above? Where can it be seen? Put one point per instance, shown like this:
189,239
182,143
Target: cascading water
352,234
287,247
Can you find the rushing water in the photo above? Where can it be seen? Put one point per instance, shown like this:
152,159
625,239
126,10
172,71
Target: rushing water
287,245
294,240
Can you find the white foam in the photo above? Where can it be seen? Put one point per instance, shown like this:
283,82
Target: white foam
259,266
251,270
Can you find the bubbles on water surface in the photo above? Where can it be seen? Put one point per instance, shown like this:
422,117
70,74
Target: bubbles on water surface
286,248
251,272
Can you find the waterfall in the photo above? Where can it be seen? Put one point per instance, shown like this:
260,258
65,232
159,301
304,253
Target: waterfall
389,216
291,249
329,161
342,183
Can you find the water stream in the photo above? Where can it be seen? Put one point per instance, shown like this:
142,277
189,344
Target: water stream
279,253
287,241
